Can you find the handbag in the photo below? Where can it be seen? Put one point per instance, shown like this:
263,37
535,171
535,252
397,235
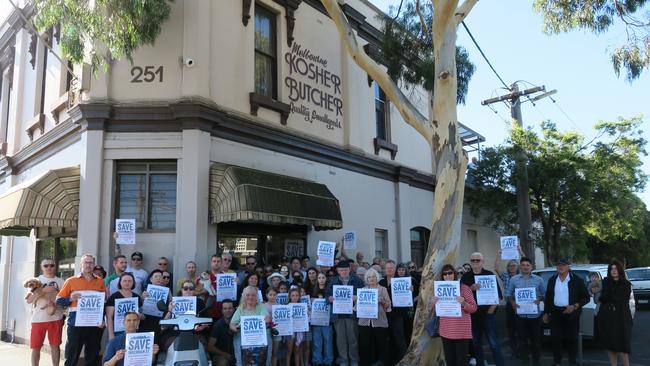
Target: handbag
433,326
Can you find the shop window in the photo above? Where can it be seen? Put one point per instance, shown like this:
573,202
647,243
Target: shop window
62,250
265,53
147,193
419,244
381,243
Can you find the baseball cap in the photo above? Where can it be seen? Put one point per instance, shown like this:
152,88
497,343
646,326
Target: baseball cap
564,261
137,254
343,264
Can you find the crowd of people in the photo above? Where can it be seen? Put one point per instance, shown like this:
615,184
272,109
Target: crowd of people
347,339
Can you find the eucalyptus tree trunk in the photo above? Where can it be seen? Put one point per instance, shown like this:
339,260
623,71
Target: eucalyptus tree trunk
450,161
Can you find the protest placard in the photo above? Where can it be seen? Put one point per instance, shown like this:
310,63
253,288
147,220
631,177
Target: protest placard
509,248
156,293
253,331
184,305
305,300
123,306
282,298
350,240
447,293
90,309
325,253
320,312
401,291
300,317
342,299
294,248
367,303
488,294
226,286
139,349
282,319
125,231
525,297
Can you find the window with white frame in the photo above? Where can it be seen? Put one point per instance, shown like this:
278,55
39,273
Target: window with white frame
381,243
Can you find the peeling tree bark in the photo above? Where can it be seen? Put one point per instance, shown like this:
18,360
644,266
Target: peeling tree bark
441,132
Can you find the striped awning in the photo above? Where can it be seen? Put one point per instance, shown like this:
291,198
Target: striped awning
50,199
240,194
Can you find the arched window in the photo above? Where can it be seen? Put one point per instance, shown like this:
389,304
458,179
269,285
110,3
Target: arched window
419,244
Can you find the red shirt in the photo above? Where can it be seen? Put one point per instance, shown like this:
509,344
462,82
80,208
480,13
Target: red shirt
460,328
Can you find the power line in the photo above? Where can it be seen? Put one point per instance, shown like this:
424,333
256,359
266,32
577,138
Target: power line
484,56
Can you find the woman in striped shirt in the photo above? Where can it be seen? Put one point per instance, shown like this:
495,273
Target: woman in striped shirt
456,333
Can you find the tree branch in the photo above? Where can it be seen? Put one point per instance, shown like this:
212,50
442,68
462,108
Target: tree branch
464,9
408,111
423,22
443,13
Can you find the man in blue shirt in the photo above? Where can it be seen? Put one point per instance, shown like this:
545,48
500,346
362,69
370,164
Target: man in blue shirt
115,350
528,325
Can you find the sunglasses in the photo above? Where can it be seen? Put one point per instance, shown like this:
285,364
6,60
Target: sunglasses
166,277
162,264
447,273
250,264
227,260
412,267
136,259
475,260
48,265
188,288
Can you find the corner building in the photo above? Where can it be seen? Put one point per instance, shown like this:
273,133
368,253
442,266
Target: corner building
246,127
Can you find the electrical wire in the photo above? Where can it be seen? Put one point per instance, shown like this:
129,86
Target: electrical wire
484,56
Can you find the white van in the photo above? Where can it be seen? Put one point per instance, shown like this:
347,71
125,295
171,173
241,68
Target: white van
587,316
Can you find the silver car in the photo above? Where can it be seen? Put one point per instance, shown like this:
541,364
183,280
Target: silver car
640,279
587,316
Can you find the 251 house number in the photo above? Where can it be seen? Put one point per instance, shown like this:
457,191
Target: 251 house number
147,74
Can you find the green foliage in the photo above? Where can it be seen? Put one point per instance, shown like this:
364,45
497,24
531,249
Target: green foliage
598,16
581,192
117,26
407,48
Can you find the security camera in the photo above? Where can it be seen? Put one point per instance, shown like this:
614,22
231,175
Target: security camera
189,62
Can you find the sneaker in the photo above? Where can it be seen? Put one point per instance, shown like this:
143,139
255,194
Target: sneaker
472,361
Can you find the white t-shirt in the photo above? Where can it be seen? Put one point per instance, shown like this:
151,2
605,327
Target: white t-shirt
561,298
40,315
141,277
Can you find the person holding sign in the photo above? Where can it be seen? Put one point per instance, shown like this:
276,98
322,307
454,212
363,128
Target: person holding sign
298,337
523,290
155,292
512,269
484,319
373,332
249,306
347,341
116,348
456,332
321,329
117,307
69,295
398,316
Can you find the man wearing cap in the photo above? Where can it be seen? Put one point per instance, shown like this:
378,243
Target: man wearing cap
141,276
566,294
345,325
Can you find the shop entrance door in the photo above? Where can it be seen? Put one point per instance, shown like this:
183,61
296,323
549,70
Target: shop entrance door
268,243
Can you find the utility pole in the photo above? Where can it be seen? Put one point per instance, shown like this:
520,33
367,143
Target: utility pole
521,171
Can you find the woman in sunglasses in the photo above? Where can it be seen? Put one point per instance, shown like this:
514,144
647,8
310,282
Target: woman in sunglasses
456,333
125,287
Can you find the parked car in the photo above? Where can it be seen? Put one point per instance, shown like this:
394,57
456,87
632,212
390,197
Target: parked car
587,316
640,278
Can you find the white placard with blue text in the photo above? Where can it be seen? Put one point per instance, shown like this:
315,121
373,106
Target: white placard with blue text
125,231
509,248
123,306
447,293
342,299
253,331
367,303
139,349
402,296
300,317
488,294
525,297
156,293
184,305
226,286
90,309
350,240
281,315
320,312
325,253
282,298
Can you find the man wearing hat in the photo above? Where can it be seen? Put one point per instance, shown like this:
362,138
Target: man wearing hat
141,276
566,294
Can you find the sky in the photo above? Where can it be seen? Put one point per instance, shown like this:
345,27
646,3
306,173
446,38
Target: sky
577,64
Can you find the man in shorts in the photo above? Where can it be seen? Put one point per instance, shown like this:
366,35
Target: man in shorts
43,320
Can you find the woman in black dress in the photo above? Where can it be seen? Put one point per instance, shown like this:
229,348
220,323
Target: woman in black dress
614,316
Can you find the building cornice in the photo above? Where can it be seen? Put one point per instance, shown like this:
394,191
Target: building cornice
207,116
